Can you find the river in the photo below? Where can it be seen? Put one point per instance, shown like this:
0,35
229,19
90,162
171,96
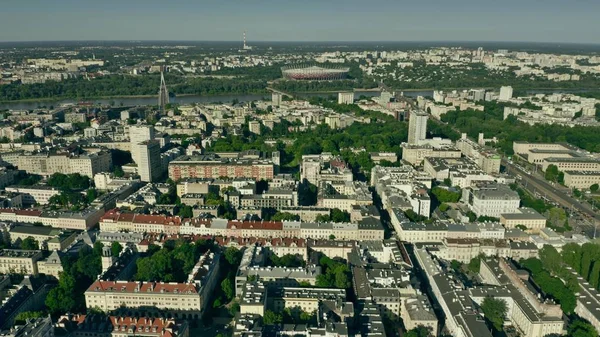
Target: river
136,101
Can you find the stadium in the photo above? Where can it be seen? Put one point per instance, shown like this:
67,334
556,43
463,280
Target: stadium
305,72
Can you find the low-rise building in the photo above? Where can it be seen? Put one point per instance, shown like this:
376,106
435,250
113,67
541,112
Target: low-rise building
524,216
490,199
19,261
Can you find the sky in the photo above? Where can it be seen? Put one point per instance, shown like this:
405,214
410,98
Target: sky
575,21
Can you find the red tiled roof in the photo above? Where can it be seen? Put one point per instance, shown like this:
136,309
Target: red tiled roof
143,287
264,225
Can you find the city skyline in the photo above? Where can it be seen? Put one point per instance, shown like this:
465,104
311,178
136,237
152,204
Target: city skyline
309,21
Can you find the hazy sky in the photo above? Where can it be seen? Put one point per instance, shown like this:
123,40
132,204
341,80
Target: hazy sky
302,20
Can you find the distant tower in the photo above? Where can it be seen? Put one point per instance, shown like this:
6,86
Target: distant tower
246,46
163,93
107,259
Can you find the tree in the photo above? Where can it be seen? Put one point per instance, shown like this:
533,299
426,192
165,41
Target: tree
91,195
331,237
594,188
217,303
581,328
285,216
551,173
455,265
30,244
494,311
338,215
420,331
234,308
232,256
551,259
475,264
227,288
186,211
445,195
271,318
22,317
522,227
115,249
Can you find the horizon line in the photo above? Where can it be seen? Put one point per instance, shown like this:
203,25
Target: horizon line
311,41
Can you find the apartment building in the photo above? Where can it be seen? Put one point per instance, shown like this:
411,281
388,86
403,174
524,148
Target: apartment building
490,199
368,228
19,261
524,216
120,326
36,194
581,179
212,166
173,297
82,220
47,164
572,164
415,154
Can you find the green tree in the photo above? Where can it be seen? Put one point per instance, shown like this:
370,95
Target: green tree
594,188
115,249
551,259
227,287
445,195
475,264
233,256
186,211
420,331
551,173
272,318
494,311
338,215
285,216
30,244
580,328
22,317
91,195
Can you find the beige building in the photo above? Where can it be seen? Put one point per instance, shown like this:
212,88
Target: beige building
174,297
415,154
252,301
572,164
19,261
48,164
581,179
51,266
307,299
524,216
35,194
416,311
207,166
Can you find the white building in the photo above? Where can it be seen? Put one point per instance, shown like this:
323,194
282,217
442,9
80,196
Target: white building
139,134
506,93
149,163
345,97
417,128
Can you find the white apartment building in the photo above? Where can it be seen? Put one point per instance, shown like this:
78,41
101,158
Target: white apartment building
491,199
149,163
417,128
139,134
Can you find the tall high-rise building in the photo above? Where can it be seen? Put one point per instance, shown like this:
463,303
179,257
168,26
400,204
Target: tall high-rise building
149,166
346,98
417,128
139,134
163,93
506,93
276,99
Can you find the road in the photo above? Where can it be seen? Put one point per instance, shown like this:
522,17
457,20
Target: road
551,192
